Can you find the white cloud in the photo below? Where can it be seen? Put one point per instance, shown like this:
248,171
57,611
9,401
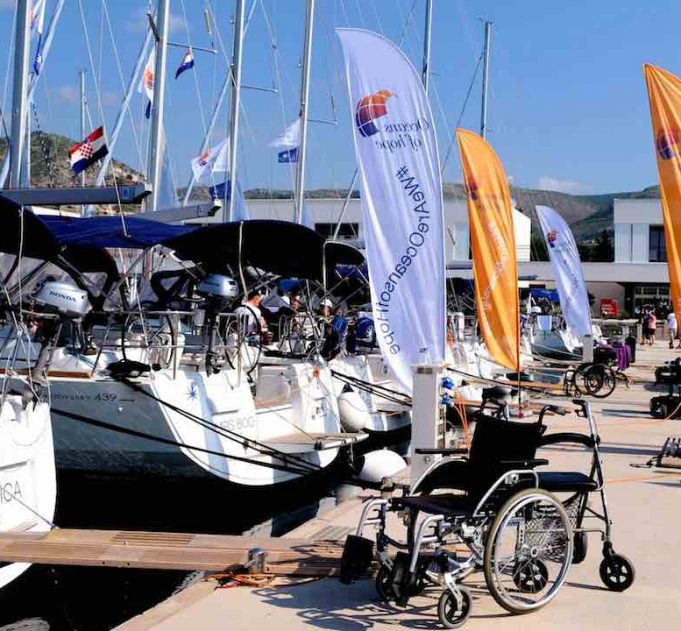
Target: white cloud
139,22
71,94
548,183
67,93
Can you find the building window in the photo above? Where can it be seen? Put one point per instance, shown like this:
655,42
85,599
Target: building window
650,295
346,230
657,249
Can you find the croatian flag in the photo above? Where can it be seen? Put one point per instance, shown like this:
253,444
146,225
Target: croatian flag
146,85
187,63
289,142
37,22
211,160
87,152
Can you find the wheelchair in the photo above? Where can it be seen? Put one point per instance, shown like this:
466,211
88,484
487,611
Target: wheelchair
490,508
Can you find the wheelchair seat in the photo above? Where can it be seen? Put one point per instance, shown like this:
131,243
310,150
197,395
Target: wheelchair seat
448,505
498,446
568,481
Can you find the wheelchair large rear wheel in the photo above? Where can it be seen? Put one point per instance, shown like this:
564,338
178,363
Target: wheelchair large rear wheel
528,551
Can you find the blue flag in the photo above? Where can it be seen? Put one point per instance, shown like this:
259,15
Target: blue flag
221,191
288,155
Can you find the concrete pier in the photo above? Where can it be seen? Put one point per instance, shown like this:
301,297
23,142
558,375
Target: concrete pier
646,509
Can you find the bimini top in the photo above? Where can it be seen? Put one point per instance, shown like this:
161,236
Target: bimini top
112,231
281,247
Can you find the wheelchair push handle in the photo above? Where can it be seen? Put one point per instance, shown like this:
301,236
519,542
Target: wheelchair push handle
584,407
556,409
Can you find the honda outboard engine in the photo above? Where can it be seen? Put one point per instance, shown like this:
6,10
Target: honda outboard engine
64,299
218,286
65,302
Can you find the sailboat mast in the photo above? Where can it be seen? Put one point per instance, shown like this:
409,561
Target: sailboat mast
156,139
235,71
19,96
81,77
426,43
304,100
485,77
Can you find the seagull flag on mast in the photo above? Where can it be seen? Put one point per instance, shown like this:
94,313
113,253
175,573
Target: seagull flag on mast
289,141
37,22
88,151
187,63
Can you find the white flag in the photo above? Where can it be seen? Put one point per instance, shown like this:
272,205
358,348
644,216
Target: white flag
290,138
401,193
567,268
146,85
211,160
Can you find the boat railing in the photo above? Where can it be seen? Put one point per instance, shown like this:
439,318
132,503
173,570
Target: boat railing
164,338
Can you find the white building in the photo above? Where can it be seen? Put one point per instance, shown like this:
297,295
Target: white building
324,213
638,275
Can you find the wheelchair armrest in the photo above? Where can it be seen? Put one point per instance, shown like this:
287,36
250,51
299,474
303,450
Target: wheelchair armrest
566,437
444,452
525,464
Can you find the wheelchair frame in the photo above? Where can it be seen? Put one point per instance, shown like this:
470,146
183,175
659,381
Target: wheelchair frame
436,530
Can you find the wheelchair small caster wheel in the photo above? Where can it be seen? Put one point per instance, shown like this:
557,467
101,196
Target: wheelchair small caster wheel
531,577
384,585
617,572
580,547
453,609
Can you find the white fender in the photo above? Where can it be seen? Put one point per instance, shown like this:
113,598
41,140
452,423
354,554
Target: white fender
380,464
354,413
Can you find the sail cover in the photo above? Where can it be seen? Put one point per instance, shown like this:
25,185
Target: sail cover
495,267
664,92
401,192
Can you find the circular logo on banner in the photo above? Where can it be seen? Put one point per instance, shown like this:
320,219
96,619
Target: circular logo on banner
667,142
368,109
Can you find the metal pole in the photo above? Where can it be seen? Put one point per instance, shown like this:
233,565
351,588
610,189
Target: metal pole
20,93
426,43
120,119
83,105
345,205
156,134
485,77
304,100
228,212
215,113
206,138
49,35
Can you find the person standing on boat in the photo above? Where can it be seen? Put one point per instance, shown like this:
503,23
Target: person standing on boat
255,323
672,329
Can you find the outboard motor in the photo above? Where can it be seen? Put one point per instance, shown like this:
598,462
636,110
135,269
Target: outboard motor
64,299
61,301
219,292
218,287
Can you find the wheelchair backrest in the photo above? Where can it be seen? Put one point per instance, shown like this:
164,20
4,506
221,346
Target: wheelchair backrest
496,441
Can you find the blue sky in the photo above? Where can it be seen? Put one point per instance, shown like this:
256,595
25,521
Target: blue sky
568,109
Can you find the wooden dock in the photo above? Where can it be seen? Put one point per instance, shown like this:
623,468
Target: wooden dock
169,551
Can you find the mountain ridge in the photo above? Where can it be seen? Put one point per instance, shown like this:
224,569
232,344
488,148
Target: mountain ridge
587,215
